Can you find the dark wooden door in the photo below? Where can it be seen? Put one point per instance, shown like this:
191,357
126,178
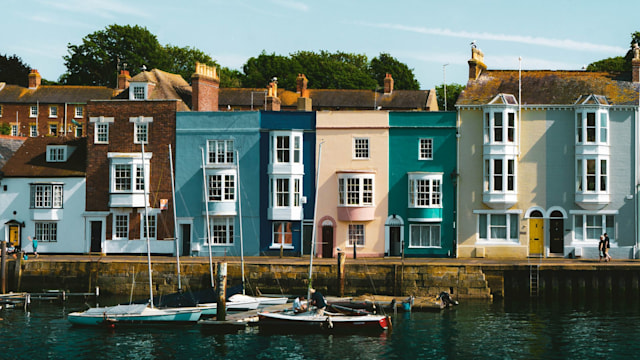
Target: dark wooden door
96,236
556,236
327,241
185,232
395,247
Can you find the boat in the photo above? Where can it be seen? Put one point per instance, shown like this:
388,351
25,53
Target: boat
130,314
353,321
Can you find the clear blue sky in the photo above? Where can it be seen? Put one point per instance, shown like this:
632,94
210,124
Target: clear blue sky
424,34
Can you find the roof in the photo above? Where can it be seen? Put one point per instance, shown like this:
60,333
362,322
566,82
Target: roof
53,94
547,87
30,159
8,146
168,86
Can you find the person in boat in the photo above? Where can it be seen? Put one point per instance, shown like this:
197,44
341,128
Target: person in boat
11,250
299,305
446,299
318,301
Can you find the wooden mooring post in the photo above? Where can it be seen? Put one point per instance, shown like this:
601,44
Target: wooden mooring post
341,262
3,267
221,311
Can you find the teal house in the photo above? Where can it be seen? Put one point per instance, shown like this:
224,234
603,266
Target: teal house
422,182
218,182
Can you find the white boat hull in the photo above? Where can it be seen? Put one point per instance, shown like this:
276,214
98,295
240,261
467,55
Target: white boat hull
133,314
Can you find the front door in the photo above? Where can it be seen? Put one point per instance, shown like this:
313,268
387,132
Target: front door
327,241
536,236
306,238
185,235
96,236
395,248
14,235
556,236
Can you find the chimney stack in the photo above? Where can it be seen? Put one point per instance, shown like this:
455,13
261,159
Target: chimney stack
123,79
34,79
476,63
388,84
635,64
205,88
273,103
301,88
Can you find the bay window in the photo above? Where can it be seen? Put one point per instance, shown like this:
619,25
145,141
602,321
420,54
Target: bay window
221,230
355,190
425,190
498,227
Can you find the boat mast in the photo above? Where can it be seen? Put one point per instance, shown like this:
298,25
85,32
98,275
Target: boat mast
146,225
175,219
206,205
315,211
240,220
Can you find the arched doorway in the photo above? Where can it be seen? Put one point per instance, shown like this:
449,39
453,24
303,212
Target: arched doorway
327,239
556,233
395,243
536,234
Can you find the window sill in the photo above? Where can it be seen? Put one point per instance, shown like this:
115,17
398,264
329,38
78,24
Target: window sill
277,247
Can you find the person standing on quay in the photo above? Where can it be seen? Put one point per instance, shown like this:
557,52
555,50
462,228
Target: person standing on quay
34,244
601,251
605,248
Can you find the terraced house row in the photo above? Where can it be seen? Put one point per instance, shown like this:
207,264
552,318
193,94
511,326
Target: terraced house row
532,164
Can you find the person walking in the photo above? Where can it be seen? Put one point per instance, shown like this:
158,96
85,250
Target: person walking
601,251
34,244
605,247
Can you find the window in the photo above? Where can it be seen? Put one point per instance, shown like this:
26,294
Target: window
79,131
14,130
282,234
589,227
138,92
152,226
0,110
500,175
282,149
286,147
222,187
122,177
46,196
102,133
498,227
425,190
139,178
53,111
56,153
356,235
221,230
140,135
285,191
53,129
121,227
355,190
426,149
360,148
500,126
33,111
282,192
592,127
591,175
33,130
220,151
79,111
425,235
47,231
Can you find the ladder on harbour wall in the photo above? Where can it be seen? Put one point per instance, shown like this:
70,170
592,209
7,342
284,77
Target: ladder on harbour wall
534,280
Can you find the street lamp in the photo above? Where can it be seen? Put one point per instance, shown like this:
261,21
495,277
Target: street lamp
444,80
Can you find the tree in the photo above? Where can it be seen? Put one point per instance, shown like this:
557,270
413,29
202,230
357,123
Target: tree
618,64
96,61
453,91
258,72
5,129
183,60
403,77
335,71
14,71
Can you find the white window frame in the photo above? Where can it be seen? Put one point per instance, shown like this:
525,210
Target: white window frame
33,111
600,174
56,153
53,111
101,133
425,149
138,91
53,129
134,182
361,148
46,196
153,226
286,147
487,229
505,179
281,230
356,189
79,131
120,226
220,151
33,130
46,231
79,111
14,130
500,126
431,229
221,230
425,190
356,234
600,126
141,133
288,196
221,187
588,227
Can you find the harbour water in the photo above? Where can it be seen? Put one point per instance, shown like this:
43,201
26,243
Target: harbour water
590,327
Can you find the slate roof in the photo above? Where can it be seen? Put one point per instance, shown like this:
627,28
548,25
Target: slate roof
30,159
8,146
53,94
546,87
168,86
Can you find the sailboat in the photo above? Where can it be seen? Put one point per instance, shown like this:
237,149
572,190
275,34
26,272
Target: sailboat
130,314
324,321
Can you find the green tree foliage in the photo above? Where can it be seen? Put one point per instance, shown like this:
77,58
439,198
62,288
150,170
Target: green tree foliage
96,61
14,71
5,129
403,77
183,60
453,91
618,64
258,71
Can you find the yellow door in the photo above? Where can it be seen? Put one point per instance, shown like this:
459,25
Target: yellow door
14,235
536,237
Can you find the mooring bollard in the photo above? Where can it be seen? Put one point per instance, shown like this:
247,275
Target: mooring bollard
341,262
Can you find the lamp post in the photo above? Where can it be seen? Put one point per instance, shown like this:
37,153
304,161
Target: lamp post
444,80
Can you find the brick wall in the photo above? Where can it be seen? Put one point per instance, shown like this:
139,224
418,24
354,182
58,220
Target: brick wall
43,120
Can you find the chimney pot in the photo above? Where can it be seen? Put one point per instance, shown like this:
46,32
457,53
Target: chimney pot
476,63
123,79
34,79
635,64
388,84
301,86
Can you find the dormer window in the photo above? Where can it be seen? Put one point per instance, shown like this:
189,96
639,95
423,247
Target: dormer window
56,153
138,91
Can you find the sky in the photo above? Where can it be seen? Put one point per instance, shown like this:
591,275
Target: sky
432,37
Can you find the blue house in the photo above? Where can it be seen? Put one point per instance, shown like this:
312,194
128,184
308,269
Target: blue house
287,186
218,154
